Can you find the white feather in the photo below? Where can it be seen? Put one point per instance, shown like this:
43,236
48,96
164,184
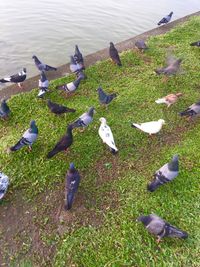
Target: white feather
161,101
106,134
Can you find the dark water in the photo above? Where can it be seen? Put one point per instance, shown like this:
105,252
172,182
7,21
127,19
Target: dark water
51,28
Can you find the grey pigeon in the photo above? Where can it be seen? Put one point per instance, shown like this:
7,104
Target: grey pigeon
74,66
65,142
72,184
192,111
58,109
41,66
72,86
196,44
85,119
165,174
104,98
4,110
78,56
43,84
4,183
166,19
28,138
16,78
160,228
172,67
114,54
140,44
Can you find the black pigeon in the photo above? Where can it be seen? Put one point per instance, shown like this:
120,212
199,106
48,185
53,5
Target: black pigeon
172,67
196,44
114,54
58,109
72,86
166,19
16,78
41,66
140,44
78,56
4,110
160,228
43,84
192,111
28,138
65,142
72,184
104,98
165,174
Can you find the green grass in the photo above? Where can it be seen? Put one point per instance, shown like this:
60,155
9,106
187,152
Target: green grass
114,188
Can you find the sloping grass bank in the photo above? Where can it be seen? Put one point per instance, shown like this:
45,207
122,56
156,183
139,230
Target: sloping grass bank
118,240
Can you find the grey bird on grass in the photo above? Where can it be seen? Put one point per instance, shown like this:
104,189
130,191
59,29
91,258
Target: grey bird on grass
4,183
195,44
63,144
43,84
72,184
104,98
192,111
41,66
28,138
114,54
58,109
173,66
165,19
165,174
140,44
160,228
4,110
74,66
16,78
85,119
72,86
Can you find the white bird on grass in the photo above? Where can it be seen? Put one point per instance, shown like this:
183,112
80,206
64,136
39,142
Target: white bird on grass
151,127
106,135
169,99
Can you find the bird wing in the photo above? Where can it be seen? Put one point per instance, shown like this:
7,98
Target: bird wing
149,127
164,170
156,225
106,135
30,137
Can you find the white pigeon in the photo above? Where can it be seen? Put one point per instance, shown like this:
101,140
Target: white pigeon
151,127
106,135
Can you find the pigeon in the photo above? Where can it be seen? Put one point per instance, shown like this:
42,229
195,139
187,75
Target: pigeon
16,78
141,45
72,86
75,67
4,110
4,183
43,84
58,109
166,19
151,127
106,135
114,54
165,174
172,67
41,66
169,99
65,142
104,98
78,56
28,138
85,119
192,111
196,44
72,184
160,228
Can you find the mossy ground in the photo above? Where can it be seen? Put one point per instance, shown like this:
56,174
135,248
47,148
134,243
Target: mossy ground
101,229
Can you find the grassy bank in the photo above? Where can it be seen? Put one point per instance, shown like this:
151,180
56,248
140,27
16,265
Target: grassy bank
101,229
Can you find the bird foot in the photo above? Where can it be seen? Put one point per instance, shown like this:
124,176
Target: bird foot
29,148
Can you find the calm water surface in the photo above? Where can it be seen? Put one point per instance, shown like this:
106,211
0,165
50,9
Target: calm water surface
51,28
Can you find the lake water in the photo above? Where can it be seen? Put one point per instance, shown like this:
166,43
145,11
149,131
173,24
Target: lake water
51,28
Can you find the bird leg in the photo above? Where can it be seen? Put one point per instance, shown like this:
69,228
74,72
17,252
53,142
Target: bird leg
158,240
20,85
29,148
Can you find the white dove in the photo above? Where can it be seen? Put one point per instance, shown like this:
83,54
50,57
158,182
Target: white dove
151,127
106,135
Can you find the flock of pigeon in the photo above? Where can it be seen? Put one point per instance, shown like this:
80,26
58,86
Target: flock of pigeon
165,174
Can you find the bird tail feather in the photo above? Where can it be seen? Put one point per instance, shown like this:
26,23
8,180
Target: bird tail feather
51,153
175,232
17,146
194,44
178,94
5,80
160,101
